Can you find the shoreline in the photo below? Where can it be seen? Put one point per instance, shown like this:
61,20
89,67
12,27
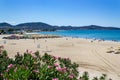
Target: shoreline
75,37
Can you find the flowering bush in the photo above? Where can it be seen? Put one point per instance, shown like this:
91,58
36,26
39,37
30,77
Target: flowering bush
33,66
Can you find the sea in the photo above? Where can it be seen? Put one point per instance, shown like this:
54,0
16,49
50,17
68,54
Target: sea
113,35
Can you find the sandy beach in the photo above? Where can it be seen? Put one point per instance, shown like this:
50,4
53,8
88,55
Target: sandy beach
91,56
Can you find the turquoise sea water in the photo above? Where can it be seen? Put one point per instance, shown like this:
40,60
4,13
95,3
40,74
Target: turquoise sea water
97,34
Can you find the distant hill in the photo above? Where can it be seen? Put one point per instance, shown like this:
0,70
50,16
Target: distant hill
46,27
91,27
95,27
36,26
5,25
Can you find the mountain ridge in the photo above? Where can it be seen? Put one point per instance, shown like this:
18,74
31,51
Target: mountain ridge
47,27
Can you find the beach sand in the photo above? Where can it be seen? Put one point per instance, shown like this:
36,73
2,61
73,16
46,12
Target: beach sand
91,56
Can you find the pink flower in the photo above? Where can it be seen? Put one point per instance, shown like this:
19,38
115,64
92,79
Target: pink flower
55,79
71,76
49,66
55,57
56,65
64,69
10,66
30,52
36,71
59,69
33,52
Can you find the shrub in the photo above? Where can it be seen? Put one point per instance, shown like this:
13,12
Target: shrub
36,67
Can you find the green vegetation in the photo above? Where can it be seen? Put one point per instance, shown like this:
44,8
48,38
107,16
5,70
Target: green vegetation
36,67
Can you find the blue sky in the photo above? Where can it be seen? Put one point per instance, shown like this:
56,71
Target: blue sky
61,12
